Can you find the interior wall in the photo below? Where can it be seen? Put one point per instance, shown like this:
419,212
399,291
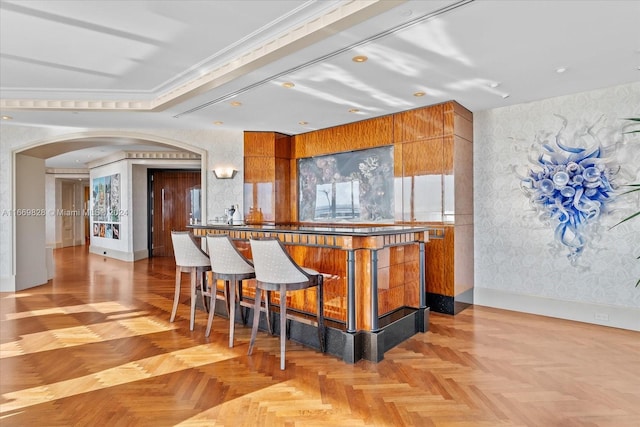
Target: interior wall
139,211
514,266
30,214
122,247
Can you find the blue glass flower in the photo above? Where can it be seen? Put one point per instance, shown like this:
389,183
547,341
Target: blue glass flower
570,187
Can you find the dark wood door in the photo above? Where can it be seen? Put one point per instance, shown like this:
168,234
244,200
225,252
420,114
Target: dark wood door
174,201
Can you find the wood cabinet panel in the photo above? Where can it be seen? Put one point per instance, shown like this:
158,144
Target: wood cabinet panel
435,266
418,124
281,196
354,136
423,157
259,144
259,169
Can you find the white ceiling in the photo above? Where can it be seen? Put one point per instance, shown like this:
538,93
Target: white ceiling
179,64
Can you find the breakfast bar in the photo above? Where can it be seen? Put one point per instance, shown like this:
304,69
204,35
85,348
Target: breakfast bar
374,287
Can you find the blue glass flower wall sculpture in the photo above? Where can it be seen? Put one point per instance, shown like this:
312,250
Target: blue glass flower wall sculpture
570,187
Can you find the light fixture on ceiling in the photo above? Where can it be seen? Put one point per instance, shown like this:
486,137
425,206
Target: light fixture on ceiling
350,48
419,93
354,110
302,122
288,85
359,58
505,95
7,118
218,123
235,103
494,85
224,173
561,70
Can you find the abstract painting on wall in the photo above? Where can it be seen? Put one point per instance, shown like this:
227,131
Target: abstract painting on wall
353,186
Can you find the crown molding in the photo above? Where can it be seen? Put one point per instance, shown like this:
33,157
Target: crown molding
320,26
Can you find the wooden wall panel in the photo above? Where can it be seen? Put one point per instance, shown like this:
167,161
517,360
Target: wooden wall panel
260,144
354,136
281,196
448,262
430,144
259,169
435,266
418,124
423,157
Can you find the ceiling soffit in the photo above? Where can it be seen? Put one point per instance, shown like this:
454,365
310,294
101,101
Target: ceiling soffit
322,25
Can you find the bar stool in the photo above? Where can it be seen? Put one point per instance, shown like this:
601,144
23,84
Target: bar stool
228,264
193,260
277,271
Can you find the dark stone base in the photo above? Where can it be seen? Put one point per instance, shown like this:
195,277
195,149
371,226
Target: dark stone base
350,347
450,305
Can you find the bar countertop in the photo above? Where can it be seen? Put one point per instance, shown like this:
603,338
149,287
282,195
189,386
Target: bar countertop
324,230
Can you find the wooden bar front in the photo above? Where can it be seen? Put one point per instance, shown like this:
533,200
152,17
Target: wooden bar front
374,277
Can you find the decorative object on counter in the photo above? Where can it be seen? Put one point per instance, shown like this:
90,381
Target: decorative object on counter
254,216
224,173
570,185
229,212
236,217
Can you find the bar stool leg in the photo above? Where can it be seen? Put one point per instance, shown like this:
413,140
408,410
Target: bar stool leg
176,295
193,298
283,323
232,309
321,328
256,319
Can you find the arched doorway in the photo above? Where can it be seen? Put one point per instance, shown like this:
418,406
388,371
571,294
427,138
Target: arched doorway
29,230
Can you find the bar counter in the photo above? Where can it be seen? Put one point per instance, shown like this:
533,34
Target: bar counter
374,287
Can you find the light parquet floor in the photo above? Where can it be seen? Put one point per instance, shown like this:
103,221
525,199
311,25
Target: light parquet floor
94,347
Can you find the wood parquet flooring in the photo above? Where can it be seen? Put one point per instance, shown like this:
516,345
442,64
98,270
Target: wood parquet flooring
94,347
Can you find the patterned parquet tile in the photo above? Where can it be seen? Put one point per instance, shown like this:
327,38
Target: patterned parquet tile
94,347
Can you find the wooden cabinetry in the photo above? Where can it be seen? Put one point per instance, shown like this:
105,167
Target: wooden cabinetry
433,169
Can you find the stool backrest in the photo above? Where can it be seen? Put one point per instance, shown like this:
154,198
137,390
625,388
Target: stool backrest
186,250
273,264
225,257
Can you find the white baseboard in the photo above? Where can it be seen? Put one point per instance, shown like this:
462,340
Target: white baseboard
598,314
142,254
111,253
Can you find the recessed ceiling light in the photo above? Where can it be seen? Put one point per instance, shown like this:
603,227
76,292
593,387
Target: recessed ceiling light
419,94
218,123
303,123
505,95
561,70
359,58
288,84
494,85
7,118
354,110
236,103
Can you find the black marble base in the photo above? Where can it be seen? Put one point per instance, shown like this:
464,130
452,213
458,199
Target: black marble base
450,305
350,347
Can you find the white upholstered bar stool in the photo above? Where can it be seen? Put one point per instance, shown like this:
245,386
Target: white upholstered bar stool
277,271
190,258
228,264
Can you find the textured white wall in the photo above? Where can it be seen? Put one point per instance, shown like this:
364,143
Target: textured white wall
514,266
